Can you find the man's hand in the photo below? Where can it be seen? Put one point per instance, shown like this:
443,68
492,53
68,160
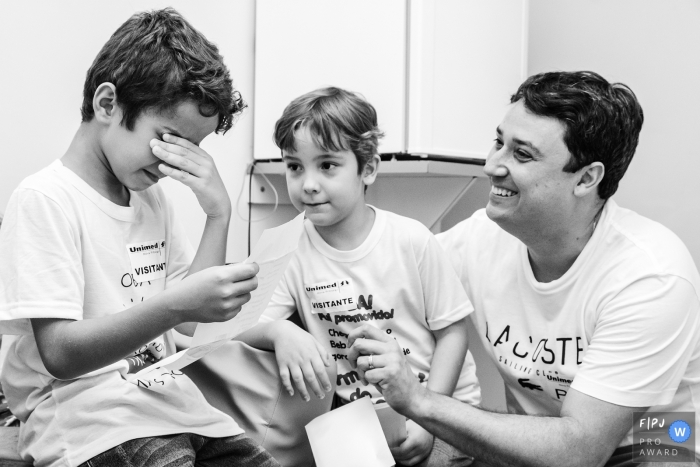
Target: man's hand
213,294
301,358
390,372
416,446
191,165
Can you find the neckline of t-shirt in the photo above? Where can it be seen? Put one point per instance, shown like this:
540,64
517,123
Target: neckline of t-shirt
350,255
572,274
122,213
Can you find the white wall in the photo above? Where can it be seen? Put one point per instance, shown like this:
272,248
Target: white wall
653,46
46,49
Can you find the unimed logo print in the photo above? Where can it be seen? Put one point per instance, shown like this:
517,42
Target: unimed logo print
664,437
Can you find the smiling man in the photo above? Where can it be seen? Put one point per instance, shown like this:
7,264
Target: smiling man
589,310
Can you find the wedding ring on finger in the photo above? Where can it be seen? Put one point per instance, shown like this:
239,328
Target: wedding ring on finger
369,361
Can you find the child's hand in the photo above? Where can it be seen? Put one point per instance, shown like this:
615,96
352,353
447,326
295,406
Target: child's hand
416,447
191,165
300,357
213,294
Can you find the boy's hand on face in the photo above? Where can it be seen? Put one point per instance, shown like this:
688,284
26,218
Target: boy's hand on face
416,446
194,167
214,294
300,357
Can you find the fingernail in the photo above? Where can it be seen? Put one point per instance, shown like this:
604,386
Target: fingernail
306,398
321,396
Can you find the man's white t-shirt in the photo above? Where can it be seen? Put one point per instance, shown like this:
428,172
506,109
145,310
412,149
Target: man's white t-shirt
621,325
398,280
69,253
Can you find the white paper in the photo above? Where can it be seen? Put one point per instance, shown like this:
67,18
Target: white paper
349,436
273,252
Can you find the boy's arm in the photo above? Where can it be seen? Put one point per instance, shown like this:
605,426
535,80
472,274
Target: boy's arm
70,348
195,168
445,368
451,343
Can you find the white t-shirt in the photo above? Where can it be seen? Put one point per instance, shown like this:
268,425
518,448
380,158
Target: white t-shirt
69,253
621,325
398,280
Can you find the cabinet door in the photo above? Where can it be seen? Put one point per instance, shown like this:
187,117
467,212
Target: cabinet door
302,45
466,59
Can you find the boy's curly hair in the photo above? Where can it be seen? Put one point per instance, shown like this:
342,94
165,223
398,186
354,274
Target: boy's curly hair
156,60
337,119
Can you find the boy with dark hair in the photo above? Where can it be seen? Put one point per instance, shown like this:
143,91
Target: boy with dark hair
357,264
98,270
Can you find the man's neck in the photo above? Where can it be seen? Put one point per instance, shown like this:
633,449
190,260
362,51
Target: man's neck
85,158
551,255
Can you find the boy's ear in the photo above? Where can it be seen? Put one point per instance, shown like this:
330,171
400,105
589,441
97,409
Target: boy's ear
369,173
589,179
104,102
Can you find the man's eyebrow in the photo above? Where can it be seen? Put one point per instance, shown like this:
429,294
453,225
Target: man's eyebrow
521,142
529,145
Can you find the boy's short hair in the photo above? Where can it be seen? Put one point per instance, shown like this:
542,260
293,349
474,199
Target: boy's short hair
337,119
602,119
156,60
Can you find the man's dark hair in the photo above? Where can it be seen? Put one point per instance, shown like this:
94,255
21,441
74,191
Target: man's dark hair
602,119
156,60
337,119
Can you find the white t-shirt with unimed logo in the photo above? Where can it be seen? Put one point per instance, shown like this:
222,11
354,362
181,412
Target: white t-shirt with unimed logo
398,280
69,253
621,325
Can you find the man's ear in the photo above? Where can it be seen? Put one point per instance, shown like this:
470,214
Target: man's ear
590,177
369,173
104,102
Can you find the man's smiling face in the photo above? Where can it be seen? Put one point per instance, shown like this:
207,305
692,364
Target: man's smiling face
529,188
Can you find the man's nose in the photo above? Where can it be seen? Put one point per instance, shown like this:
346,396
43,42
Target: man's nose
495,163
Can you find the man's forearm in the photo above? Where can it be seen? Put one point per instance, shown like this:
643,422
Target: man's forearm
505,439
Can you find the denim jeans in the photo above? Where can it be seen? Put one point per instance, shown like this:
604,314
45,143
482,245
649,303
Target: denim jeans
185,449
444,455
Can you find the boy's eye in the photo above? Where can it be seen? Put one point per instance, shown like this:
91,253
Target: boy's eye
293,167
327,165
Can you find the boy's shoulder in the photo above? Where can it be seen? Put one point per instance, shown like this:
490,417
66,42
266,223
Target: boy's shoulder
406,228
57,182
45,180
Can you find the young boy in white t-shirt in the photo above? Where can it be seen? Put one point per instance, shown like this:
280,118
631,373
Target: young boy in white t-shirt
97,270
358,264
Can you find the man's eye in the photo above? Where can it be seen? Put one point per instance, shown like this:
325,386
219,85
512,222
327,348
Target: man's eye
498,143
522,155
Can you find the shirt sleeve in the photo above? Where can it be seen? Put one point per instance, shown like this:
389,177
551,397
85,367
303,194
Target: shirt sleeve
445,299
282,304
642,343
42,274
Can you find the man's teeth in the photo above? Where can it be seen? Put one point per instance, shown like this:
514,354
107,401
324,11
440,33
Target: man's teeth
502,191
